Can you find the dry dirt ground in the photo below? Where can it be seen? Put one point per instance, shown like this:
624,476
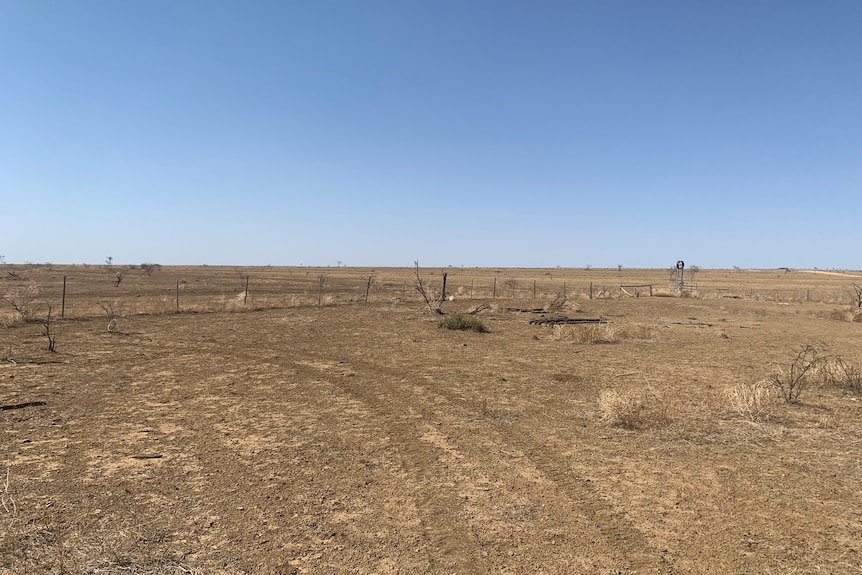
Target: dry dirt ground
269,434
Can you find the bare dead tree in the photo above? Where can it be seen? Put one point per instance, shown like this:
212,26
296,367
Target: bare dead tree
50,331
150,268
559,301
432,302
119,275
856,294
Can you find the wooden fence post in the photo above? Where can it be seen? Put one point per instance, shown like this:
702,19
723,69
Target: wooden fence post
245,297
63,305
494,295
178,296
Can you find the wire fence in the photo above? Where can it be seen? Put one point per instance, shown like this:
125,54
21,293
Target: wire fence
91,291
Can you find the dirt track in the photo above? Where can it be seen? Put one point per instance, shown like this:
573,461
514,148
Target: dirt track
365,439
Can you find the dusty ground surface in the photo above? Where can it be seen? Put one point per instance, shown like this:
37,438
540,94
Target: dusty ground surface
267,434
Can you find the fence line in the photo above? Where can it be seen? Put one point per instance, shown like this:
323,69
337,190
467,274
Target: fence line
212,292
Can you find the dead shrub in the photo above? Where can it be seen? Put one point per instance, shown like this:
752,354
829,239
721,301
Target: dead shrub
631,411
798,376
23,301
753,401
838,372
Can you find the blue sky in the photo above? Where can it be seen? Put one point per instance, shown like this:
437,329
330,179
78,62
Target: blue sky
476,133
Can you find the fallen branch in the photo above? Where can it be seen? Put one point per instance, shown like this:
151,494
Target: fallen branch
22,405
564,320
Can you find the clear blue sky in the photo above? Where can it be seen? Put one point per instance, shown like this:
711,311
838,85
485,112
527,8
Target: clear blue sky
455,132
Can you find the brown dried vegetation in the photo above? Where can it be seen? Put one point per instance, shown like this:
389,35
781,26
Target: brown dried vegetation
295,429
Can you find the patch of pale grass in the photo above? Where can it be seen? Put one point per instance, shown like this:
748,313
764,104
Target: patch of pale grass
634,411
602,333
754,401
836,419
838,372
593,333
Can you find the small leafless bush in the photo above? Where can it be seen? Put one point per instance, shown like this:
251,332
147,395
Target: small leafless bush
114,311
120,274
559,301
149,268
51,331
23,301
753,401
798,376
431,300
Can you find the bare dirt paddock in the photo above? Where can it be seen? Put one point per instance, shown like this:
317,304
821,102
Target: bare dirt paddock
299,429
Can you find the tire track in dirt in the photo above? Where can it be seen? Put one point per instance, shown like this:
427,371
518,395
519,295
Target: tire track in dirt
580,517
452,545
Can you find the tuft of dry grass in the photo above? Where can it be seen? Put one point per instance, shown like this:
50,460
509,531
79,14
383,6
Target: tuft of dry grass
7,501
632,411
838,372
754,401
602,333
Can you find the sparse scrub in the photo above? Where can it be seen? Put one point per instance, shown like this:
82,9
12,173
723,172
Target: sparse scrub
119,275
631,411
753,401
463,322
856,296
792,382
114,310
149,268
23,300
838,372
431,300
51,331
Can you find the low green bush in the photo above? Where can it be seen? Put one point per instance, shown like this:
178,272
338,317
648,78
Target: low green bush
466,322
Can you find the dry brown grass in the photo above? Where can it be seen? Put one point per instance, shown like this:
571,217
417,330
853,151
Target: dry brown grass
354,438
603,333
632,410
754,401
836,372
